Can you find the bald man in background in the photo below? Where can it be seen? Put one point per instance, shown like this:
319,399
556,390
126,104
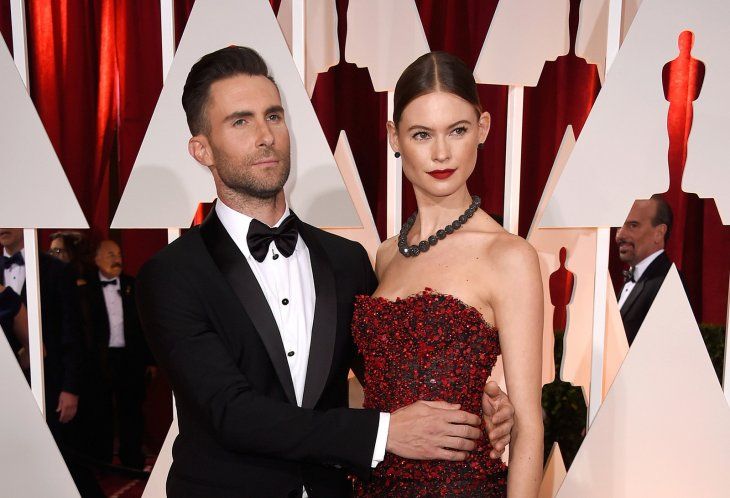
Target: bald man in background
119,359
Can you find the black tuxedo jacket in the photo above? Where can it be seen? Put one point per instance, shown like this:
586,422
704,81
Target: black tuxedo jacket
642,295
211,328
61,329
97,324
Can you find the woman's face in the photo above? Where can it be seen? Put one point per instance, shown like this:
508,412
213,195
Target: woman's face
437,137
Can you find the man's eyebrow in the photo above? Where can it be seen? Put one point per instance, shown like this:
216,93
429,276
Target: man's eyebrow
238,115
248,114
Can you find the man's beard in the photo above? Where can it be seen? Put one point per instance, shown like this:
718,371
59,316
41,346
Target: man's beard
240,175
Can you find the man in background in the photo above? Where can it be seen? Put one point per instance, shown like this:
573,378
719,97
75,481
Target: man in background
119,359
641,241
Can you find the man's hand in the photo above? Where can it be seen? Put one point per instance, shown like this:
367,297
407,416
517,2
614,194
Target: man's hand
67,405
432,430
499,417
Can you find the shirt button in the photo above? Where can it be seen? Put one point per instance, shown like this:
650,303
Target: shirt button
285,301
275,257
290,353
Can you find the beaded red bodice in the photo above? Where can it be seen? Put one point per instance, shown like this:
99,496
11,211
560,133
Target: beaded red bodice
428,346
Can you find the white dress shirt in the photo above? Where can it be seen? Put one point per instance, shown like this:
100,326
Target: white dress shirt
639,270
288,285
15,275
115,311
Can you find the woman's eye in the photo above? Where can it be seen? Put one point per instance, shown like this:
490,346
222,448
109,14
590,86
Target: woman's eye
461,130
421,135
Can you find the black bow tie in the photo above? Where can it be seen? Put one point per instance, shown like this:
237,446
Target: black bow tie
284,236
15,259
629,275
104,283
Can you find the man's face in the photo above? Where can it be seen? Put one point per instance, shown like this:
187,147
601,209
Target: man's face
109,259
11,239
637,238
248,137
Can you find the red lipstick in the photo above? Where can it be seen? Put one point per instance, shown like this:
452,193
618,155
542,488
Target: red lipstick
441,174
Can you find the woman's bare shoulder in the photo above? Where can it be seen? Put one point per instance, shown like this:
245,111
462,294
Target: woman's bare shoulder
386,251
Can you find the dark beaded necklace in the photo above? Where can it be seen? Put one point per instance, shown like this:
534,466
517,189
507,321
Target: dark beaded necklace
425,245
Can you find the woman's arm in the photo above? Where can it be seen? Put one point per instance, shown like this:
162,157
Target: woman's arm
518,307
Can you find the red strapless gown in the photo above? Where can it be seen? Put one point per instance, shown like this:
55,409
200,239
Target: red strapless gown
428,346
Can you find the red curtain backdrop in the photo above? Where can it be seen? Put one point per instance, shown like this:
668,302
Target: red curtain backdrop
95,78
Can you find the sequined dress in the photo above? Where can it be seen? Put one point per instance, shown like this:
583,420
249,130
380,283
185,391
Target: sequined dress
428,346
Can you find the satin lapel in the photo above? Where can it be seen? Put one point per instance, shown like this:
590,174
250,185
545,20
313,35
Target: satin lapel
237,272
324,327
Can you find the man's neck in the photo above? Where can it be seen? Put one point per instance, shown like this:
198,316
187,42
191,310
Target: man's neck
268,211
106,276
11,250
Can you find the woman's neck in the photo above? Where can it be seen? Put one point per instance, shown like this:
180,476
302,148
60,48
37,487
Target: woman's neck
434,213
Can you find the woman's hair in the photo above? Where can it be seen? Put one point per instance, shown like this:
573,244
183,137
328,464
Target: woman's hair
435,72
77,248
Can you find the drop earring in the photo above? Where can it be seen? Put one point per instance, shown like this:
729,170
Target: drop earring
397,155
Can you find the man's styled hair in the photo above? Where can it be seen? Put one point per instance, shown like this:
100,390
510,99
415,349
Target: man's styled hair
663,215
215,66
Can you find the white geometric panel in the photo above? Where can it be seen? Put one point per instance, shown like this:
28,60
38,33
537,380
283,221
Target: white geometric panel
554,473
157,482
167,184
366,233
30,463
320,32
622,152
664,427
580,245
34,190
385,36
523,35
590,41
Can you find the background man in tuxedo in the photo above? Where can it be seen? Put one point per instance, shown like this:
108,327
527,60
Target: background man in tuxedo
641,242
60,321
118,359
252,323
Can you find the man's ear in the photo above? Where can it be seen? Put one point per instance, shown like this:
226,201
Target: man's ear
662,230
199,149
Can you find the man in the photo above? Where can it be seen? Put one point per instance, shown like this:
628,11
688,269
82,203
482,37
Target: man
119,358
60,323
641,242
252,324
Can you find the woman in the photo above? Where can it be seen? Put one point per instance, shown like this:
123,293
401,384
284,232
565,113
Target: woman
452,272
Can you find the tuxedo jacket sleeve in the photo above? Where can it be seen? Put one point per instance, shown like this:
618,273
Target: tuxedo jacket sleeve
181,300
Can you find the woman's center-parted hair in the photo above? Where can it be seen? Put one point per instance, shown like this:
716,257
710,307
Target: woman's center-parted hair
215,66
435,72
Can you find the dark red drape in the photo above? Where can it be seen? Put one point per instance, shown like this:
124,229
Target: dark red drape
95,78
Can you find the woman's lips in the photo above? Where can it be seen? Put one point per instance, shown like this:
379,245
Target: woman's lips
441,174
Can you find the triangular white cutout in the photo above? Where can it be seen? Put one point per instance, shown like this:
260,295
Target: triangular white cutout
665,402
385,36
167,185
523,35
554,473
31,466
320,33
34,190
367,233
621,155
157,482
